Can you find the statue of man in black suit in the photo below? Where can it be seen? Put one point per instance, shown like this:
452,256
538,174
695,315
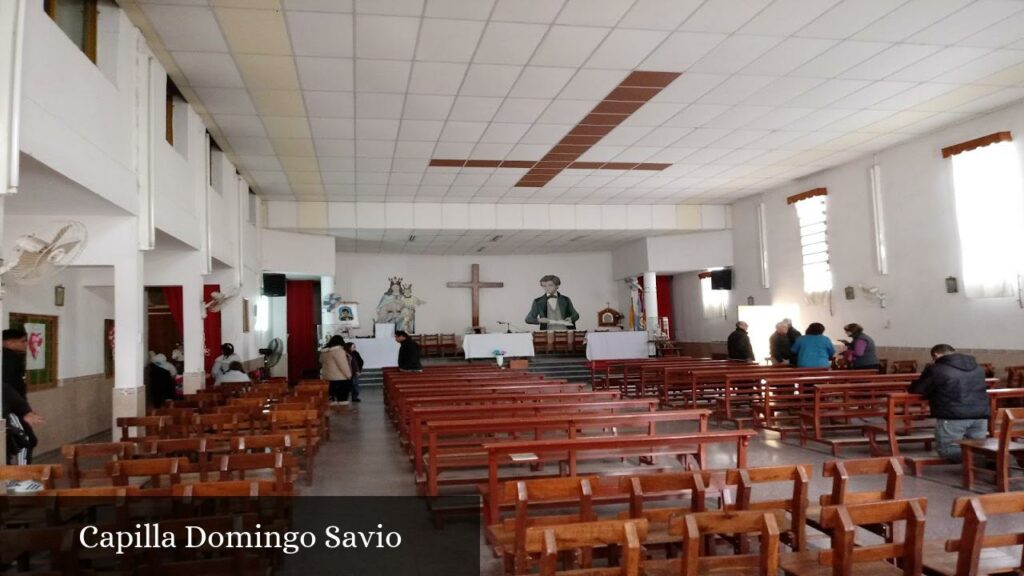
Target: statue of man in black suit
553,310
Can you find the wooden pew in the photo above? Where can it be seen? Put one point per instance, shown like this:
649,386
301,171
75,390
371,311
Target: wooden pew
1005,448
698,385
845,558
420,416
463,449
551,542
576,450
548,387
979,550
45,474
842,471
835,405
80,460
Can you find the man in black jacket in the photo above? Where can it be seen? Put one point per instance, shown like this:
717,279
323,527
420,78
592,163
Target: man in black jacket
955,388
408,353
738,344
15,391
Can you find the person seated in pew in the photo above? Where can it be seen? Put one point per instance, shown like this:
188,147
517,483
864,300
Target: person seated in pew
408,353
780,344
957,396
814,349
738,344
235,373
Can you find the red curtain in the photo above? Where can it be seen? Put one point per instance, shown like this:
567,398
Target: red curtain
303,316
173,296
211,329
664,287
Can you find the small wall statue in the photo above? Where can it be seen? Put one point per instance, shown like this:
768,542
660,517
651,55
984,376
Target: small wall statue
408,315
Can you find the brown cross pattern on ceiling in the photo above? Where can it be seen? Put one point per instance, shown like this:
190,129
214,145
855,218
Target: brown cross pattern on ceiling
632,93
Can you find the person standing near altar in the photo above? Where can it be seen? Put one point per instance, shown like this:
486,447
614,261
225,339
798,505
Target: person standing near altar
553,310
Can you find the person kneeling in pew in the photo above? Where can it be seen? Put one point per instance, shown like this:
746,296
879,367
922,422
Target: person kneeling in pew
956,392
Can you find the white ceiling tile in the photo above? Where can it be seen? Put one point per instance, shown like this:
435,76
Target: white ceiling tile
942,61
784,17
542,11
474,108
254,31
377,105
590,84
659,14
736,89
725,16
541,82
689,87
508,43
819,119
978,69
382,75
278,102
781,91
696,115
973,18
681,50
388,37
423,130
411,149
329,104
503,132
427,107
529,151
740,139
326,147
226,100
192,28
338,163
320,34
827,93
592,12
889,61
489,80
376,129
734,53
491,150
333,128
917,95
332,74
787,56
840,58
700,137
521,109
319,5
436,77
848,17
738,117
568,45
872,94
663,136
466,9
252,146
653,114
286,127
625,48
233,125
779,117
209,69
462,131
448,40
268,72
908,19
625,135
998,35
548,134
567,111
858,120
396,7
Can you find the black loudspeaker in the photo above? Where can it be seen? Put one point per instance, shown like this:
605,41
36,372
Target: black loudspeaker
721,279
274,285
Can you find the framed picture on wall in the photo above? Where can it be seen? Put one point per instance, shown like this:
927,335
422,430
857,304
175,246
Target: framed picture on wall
348,314
41,353
108,348
245,315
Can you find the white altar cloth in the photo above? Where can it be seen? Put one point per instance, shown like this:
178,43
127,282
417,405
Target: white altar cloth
616,345
516,345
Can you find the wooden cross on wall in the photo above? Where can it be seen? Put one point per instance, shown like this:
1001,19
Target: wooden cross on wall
632,93
475,285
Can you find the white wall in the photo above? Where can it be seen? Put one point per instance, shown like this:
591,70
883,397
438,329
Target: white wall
586,278
923,250
690,324
688,252
294,253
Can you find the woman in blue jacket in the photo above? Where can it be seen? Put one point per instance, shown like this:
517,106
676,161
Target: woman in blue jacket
813,349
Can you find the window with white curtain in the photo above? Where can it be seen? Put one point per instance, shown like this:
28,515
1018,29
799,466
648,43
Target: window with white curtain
989,197
813,215
715,301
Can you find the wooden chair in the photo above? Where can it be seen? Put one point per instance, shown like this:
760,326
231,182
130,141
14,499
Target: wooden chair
448,345
846,558
904,366
146,427
1015,376
276,465
540,342
552,541
162,473
261,443
579,341
1005,448
841,471
222,424
431,345
560,342
80,460
45,474
181,420
883,365
671,487
193,449
699,528
979,551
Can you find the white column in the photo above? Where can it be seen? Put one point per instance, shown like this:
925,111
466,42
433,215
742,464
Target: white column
129,311
651,302
192,298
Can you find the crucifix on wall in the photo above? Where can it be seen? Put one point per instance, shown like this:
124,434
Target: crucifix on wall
475,285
